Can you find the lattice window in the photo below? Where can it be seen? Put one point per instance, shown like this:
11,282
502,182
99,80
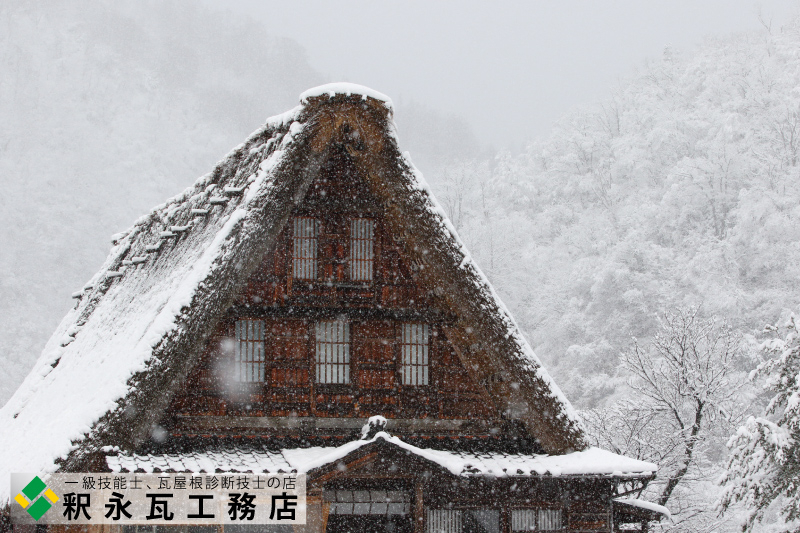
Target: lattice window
249,356
304,256
373,502
523,520
362,245
414,345
443,521
333,351
549,519
463,521
536,520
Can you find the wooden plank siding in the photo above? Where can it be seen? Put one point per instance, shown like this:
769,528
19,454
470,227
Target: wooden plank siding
376,309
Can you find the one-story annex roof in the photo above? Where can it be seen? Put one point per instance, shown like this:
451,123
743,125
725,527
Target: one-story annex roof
589,462
140,323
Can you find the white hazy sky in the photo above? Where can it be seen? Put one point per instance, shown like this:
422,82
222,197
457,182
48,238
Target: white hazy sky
509,68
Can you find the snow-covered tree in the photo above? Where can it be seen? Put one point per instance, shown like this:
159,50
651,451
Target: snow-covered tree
688,374
764,463
682,400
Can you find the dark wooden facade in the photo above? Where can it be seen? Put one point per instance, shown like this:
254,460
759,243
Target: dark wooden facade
375,311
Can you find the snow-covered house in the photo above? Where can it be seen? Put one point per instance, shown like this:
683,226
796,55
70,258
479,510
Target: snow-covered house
255,322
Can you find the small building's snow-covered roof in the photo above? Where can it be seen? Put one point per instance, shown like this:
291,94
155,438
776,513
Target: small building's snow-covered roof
140,323
589,462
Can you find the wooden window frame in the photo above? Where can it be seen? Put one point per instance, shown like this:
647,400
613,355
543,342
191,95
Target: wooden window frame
251,362
361,255
459,512
335,359
537,518
305,267
444,522
414,357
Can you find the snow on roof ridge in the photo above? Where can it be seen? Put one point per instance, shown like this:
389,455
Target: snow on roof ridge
284,119
348,89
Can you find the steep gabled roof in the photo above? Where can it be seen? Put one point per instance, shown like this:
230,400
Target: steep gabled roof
115,360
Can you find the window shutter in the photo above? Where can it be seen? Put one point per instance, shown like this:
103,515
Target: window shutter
523,520
549,519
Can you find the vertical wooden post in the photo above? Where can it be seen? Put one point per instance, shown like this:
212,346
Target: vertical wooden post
505,519
419,509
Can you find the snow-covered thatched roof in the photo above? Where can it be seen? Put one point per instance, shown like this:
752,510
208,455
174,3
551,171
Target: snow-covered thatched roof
140,323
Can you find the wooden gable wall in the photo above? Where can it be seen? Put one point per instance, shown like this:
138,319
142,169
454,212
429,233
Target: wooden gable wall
375,310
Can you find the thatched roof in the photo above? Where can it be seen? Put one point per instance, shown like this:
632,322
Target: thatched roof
140,324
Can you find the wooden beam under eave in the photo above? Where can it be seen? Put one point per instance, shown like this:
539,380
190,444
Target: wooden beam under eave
419,507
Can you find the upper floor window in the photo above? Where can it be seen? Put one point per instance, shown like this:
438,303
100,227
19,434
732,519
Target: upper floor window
361,249
414,347
304,256
249,351
333,351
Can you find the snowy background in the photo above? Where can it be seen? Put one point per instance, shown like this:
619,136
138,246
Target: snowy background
610,170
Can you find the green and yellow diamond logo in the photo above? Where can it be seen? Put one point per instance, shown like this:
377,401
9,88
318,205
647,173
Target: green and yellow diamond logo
34,498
